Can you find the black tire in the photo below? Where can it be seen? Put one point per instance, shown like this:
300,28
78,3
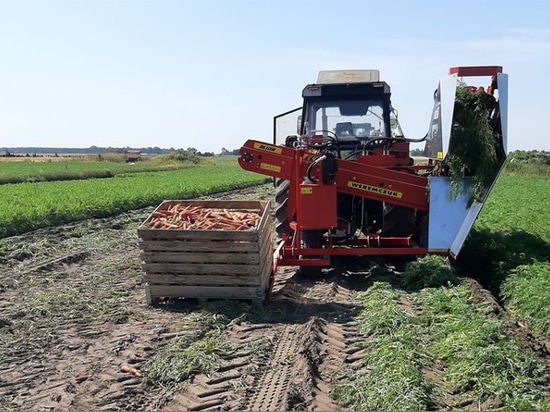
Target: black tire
398,221
311,239
281,201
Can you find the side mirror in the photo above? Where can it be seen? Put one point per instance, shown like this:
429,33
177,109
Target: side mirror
299,125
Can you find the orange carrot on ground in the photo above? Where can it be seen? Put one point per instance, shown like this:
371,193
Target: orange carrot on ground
131,370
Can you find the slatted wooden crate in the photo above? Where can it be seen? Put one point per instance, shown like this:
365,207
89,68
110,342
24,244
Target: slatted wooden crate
204,264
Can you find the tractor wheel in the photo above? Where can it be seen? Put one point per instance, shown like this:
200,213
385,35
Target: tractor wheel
311,239
398,221
281,201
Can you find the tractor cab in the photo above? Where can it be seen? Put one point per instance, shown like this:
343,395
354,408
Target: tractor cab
351,107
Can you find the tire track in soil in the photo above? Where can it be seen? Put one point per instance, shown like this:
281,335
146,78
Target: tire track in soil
79,366
273,385
75,363
300,356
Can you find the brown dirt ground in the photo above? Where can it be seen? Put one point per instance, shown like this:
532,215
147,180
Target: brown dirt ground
73,318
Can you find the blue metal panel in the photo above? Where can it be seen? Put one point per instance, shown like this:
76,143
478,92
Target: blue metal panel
447,215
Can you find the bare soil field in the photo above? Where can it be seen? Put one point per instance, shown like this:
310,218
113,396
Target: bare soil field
76,332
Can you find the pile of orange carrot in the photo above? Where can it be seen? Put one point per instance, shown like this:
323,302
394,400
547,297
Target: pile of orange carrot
193,217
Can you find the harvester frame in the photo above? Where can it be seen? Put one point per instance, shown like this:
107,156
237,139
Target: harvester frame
337,193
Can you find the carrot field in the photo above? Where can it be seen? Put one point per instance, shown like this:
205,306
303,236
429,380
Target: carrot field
76,331
509,248
29,206
84,167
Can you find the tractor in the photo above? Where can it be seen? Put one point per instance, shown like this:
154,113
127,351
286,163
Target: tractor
346,185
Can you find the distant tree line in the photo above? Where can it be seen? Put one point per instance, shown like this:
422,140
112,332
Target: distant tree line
96,150
536,157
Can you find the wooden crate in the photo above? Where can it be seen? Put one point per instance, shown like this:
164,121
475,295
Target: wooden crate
204,264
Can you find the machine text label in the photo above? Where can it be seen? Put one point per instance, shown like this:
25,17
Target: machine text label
268,148
374,189
272,168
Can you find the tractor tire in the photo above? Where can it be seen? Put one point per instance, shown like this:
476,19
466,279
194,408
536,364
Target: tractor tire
281,202
311,239
398,221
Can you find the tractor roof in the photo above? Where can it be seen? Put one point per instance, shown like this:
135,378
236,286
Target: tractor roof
348,76
354,84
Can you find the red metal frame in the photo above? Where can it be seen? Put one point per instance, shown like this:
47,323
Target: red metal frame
386,175
354,178
475,71
382,177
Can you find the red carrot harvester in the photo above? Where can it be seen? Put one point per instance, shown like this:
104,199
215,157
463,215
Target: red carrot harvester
346,185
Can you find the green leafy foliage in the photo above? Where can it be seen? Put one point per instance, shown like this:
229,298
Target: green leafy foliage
437,348
532,163
510,246
427,272
473,144
29,206
536,157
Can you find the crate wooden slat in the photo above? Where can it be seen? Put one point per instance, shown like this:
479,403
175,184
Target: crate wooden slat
204,292
206,246
206,280
213,257
218,264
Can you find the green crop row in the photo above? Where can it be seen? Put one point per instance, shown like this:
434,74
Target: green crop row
509,248
28,206
20,172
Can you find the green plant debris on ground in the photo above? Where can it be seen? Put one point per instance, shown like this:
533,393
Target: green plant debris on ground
442,350
202,348
477,360
182,359
394,379
48,304
430,271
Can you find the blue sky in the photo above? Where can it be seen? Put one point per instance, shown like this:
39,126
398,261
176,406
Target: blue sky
211,74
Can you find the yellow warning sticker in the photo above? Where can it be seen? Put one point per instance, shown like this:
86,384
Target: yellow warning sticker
306,190
373,189
440,155
271,168
268,148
